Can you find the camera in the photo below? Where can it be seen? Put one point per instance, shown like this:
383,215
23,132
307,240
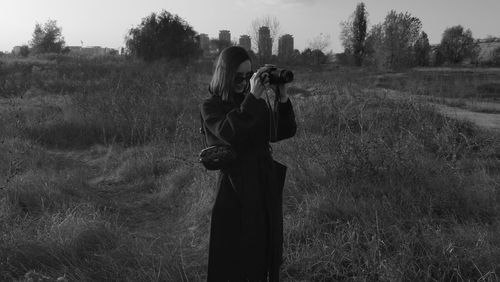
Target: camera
277,75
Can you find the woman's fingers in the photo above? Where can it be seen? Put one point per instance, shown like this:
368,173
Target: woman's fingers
258,72
259,82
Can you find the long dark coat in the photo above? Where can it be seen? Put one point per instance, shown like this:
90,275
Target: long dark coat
246,235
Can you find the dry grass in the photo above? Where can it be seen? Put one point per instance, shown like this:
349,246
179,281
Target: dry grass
475,84
379,188
483,118
100,180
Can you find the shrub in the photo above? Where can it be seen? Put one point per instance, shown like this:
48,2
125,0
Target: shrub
163,35
47,38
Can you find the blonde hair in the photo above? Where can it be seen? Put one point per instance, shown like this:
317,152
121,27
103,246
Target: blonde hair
225,70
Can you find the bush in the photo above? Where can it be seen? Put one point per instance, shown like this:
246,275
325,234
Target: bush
25,51
163,36
458,44
47,38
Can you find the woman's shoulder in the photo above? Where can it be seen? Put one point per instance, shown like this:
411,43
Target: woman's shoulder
212,99
217,100
214,102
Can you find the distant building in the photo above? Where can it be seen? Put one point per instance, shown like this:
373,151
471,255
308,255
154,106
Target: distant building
211,49
16,50
245,42
487,49
91,51
489,40
225,35
265,43
204,43
23,50
285,46
74,49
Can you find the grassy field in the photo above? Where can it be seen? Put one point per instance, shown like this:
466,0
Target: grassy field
99,179
459,83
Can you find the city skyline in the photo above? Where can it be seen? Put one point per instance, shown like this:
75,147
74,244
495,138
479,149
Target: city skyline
285,43
98,23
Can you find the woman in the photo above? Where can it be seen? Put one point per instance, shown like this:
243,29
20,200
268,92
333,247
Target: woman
246,234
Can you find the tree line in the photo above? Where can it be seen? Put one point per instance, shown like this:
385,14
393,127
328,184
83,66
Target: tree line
167,36
399,41
46,38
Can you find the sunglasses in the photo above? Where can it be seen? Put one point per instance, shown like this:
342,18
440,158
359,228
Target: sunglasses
239,78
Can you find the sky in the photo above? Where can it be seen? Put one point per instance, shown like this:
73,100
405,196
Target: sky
106,22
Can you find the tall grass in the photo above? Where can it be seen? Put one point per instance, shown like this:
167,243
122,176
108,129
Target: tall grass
380,189
105,101
466,84
103,182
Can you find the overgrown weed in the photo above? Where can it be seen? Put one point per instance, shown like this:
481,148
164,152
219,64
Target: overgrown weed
378,189
388,174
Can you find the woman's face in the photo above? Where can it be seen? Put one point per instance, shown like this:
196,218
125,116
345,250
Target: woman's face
242,76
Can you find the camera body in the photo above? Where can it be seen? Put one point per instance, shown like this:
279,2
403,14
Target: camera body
277,75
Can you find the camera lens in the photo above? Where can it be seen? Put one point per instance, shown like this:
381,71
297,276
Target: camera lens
286,76
280,76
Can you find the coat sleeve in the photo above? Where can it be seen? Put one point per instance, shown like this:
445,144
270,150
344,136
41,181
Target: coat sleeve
235,126
287,127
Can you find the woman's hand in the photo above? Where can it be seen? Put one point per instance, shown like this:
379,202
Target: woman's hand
259,83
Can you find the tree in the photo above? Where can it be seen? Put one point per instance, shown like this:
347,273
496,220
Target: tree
306,57
438,56
375,49
495,59
252,55
401,31
113,52
312,57
392,43
24,51
162,35
422,50
293,59
458,44
320,42
316,49
353,34
319,57
47,38
274,29
221,44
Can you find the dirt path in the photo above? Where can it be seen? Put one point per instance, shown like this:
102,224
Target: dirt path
490,121
484,120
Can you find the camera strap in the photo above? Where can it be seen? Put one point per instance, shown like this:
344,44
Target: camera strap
203,131
273,116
